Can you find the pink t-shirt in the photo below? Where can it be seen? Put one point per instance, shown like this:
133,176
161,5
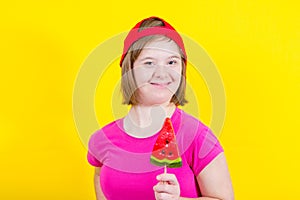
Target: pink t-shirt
126,171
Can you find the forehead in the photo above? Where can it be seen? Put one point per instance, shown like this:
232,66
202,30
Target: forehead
161,47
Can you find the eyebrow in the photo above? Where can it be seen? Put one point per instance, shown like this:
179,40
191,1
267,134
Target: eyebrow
146,58
154,58
174,57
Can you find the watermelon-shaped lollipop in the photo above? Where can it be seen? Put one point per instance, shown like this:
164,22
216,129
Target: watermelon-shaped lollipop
165,151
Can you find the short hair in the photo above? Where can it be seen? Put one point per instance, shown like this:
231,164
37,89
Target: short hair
128,83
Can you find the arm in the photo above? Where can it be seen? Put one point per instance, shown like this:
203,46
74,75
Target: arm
214,182
99,193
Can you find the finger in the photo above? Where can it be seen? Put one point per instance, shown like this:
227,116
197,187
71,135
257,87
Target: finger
165,188
170,178
162,196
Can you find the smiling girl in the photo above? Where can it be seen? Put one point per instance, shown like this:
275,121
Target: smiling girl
153,83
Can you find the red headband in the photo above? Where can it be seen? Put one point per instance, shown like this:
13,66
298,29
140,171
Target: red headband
166,30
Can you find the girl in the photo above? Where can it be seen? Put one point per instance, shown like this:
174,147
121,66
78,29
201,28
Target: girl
153,83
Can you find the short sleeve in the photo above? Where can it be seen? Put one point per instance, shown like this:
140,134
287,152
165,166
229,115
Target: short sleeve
204,149
93,161
92,152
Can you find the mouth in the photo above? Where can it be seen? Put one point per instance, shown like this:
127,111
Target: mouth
157,84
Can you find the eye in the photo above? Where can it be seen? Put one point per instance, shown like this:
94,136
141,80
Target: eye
148,63
172,62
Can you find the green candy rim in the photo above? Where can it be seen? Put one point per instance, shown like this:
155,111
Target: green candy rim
170,163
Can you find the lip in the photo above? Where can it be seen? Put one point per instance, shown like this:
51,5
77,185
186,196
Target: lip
161,85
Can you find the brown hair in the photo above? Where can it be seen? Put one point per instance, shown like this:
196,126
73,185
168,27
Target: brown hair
128,84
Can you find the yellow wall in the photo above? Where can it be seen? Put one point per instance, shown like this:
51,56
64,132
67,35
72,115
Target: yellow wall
255,45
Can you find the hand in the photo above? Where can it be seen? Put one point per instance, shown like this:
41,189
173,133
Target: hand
167,188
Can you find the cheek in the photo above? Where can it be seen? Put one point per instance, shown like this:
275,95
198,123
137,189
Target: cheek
142,76
176,75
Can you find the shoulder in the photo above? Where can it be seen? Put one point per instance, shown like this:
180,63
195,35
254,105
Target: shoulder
190,132
202,135
104,133
190,124
108,128
197,141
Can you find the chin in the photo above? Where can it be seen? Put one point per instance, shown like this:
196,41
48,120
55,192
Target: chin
157,101
150,97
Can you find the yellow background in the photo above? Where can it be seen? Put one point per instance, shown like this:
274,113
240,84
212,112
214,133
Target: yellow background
255,44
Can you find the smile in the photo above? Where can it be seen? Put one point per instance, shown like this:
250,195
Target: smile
161,84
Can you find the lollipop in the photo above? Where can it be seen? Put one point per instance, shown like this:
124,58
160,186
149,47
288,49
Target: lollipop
165,151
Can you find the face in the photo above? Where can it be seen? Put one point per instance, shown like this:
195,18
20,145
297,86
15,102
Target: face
157,72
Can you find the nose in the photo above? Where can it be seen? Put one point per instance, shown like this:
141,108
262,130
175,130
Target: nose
160,71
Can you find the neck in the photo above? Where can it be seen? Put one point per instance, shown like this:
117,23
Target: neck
143,121
143,116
